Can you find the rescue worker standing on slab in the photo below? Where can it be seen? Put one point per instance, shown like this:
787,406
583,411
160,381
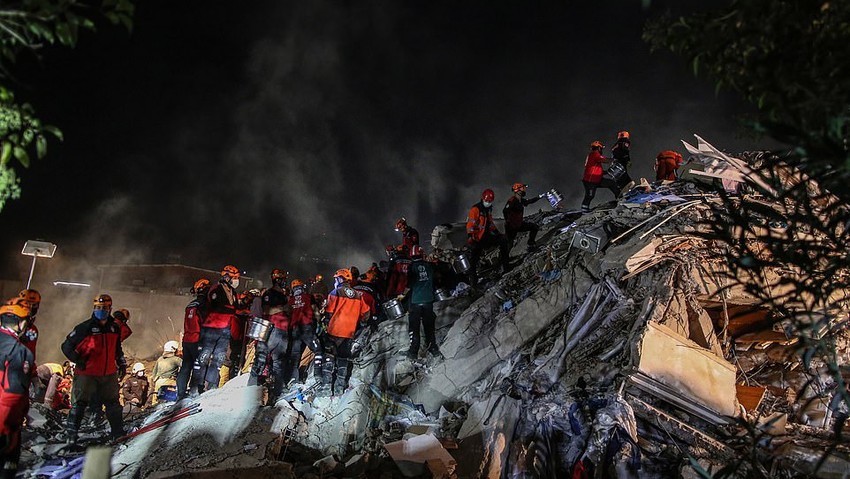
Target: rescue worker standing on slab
617,177
16,370
95,346
345,311
514,212
215,329
301,326
482,232
195,311
592,174
421,306
276,310
409,234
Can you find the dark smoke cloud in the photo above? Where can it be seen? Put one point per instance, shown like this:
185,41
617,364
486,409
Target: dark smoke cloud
256,134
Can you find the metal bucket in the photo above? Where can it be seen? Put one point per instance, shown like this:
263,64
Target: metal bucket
259,329
462,264
442,294
394,309
555,197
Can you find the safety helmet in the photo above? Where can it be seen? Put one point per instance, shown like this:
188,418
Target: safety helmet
488,195
416,251
123,312
103,301
230,271
170,347
401,223
623,134
279,274
371,276
597,145
518,187
31,296
318,278
17,307
296,283
200,286
138,367
343,273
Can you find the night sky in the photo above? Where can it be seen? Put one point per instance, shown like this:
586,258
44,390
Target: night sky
253,133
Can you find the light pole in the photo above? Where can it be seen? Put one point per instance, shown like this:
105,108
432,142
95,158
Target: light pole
35,249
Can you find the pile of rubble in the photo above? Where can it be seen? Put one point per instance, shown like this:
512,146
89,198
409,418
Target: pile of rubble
619,349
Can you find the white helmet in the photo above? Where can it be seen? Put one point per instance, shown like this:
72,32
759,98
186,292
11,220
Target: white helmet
138,367
170,347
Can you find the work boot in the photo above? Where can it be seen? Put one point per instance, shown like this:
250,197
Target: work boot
434,352
70,436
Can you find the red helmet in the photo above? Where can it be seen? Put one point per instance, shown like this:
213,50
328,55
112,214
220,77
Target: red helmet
597,145
623,134
518,187
416,251
400,224
488,195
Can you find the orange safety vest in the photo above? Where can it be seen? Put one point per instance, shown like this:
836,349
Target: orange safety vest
346,307
480,221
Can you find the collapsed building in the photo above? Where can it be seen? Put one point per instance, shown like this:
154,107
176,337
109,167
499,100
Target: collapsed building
619,349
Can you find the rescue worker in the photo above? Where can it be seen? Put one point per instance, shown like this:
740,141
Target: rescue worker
122,317
397,275
276,310
592,173
409,234
135,389
62,398
369,286
421,312
345,310
667,165
301,326
95,346
215,329
192,318
165,369
32,300
237,332
483,234
514,211
16,370
617,177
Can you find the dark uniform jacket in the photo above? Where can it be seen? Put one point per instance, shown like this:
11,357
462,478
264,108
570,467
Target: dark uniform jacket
96,349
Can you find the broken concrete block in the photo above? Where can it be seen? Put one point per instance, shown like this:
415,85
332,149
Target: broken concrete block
410,455
688,368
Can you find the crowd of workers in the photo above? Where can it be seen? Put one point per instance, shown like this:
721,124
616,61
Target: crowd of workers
272,332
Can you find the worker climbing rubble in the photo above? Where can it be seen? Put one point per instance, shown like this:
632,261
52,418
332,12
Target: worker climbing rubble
482,233
164,373
409,234
592,174
95,347
345,312
514,211
273,352
16,369
667,165
192,319
617,178
215,328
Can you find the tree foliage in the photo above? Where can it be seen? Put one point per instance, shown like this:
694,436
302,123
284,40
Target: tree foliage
790,59
28,27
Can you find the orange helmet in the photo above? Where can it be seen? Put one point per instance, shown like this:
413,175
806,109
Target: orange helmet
17,307
518,187
318,278
230,271
296,283
371,275
123,312
416,250
488,195
343,273
200,286
104,301
32,298
623,134
279,275
400,224
597,145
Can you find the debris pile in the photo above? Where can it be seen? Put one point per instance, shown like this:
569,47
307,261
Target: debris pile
617,349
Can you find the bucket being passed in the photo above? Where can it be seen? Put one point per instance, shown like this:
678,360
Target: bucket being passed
259,329
394,309
462,263
555,197
442,294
